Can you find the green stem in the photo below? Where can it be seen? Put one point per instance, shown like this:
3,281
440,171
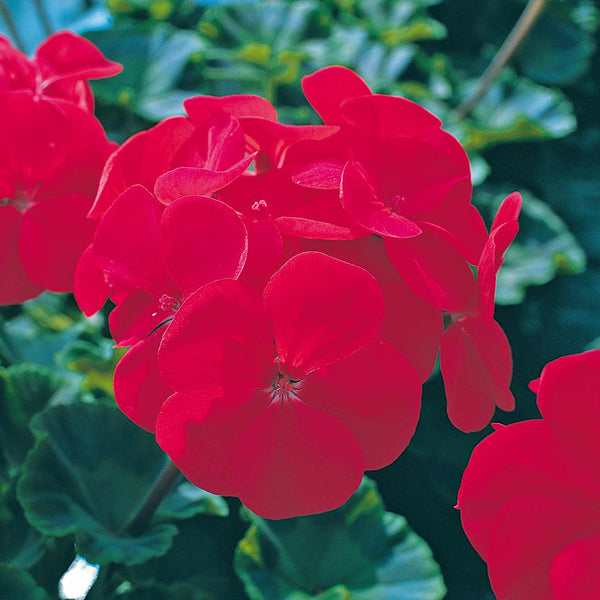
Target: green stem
515,38
11,26
156,494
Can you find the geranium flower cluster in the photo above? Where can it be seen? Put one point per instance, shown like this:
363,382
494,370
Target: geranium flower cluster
530,496
52,151
283,289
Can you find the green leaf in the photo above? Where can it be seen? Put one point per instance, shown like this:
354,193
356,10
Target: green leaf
357,552
201,557
87,474
19,585
153,59
24,390
186,500
516,110
543,249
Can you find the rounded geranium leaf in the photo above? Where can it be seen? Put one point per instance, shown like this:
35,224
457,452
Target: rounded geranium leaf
296,460
476,364
66,55
202,240
358,550
322,309
141,160
574,572
139,389
17,583
200,433
15,284
384,116
127,243
433,270
218,339
68,482
327,88
526,537
360,200
53,236
376,393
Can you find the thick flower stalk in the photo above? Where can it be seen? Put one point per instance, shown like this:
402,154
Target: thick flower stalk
530,496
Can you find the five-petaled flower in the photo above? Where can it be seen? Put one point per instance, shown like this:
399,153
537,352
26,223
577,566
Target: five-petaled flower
530,496
284,401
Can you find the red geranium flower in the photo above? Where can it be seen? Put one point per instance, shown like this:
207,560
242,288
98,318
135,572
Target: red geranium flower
60,68
530,496
153,258
399,176
475,356
51,157
284,401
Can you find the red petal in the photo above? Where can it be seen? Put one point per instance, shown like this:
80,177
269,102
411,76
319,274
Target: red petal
202,240
376,393
296,460
459,223
361,202
142,159
383,116
569,401
200,433
139,389
89,287
66,55
574,572
127,243
327,88
265,250
16,70
135,317
516,461
200,108
476,365
219,338
54,234
324,174
15,285
433,270
193,181
311,300
526,537
509,210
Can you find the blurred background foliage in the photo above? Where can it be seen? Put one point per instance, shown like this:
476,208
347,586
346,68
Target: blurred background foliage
537,130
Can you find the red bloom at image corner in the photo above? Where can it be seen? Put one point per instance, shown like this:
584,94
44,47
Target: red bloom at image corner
285,400
530,496
52,152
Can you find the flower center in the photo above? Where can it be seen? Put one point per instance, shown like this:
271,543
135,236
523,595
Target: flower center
168,303
397,204
284,388
259,208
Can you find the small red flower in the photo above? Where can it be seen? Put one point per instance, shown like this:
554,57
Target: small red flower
530,496
399,176
475,356
152,259
60,68
285,401
51,157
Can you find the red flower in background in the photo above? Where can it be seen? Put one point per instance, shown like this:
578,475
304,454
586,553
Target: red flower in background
399,176
285,402
154,257
60,68
51,157
530,496
475,356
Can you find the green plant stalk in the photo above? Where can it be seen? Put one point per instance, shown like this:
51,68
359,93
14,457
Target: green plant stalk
511,44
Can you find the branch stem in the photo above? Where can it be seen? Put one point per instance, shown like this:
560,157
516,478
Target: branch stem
156,494
511,44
